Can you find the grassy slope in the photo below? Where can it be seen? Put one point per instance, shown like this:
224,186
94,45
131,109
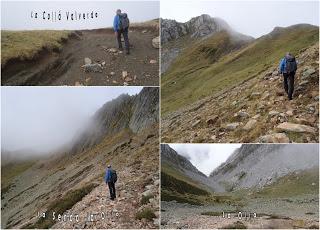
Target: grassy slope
293,184
197,74
25,45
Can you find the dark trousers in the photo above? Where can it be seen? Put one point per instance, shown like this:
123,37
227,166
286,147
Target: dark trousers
112,190
123,32
288,84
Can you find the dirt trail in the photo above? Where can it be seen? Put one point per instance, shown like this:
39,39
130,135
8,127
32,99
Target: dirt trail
256,110
64,67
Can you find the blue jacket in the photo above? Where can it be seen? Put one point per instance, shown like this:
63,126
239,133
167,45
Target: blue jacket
107,177
282,65
116,23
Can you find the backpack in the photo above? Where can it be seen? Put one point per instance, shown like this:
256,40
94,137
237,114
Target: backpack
114,176
124,21
291,65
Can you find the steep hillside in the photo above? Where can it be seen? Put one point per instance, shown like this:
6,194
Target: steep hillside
254,166
257,109
183,86
125,112
72,182
180,180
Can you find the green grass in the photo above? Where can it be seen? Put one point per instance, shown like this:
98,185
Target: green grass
293,184
10,171
146,213
61,205
180,198
199,72
145,199
25,45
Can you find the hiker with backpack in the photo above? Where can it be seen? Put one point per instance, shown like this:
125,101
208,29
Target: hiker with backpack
288,68
121,27
110,179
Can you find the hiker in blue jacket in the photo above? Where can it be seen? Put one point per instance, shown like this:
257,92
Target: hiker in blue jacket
110,179
288,68
121,26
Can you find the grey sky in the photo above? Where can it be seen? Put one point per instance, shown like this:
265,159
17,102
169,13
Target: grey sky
17,15
205,157
254,18
42,118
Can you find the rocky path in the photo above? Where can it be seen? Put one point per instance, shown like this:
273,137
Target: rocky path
269,214
96,210
255,111
105,64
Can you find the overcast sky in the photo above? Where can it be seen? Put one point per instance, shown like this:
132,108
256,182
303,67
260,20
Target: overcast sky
254,18
205,157
42,118
17,15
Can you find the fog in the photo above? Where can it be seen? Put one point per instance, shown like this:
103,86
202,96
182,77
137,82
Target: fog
205,157
254,18
21,15
45,118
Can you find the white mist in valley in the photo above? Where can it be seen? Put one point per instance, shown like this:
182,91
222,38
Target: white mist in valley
43,120
205,157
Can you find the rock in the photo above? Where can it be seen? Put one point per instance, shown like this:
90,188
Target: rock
305,121
250,124
77,84
196,123
313,184
114,82
291,127
274,138
256,116
87,61
96,68
308,72
153,62
242,114
127,79
156,42
103,63
303,83
265,95
232,126
289,113
112,73
213,137
147,193
144,31
125,83
124,74
113,50
255,94
212,120
273,113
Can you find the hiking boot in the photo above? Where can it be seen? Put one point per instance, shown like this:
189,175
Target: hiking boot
127,52
120,49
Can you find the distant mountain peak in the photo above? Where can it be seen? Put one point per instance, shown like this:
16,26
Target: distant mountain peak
197,27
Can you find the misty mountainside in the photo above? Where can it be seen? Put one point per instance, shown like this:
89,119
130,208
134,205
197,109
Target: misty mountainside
180,178
72,181
134,113
255,166
219,88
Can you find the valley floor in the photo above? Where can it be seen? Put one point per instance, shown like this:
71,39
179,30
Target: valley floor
256,110
298,212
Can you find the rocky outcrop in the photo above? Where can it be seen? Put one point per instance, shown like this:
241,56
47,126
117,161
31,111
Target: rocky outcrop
197,27
125,112
254,165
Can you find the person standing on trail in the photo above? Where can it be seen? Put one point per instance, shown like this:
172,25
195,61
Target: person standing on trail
288,67
110,179
121,26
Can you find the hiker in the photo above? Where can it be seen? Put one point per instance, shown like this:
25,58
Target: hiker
121,26
110,179
288,67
